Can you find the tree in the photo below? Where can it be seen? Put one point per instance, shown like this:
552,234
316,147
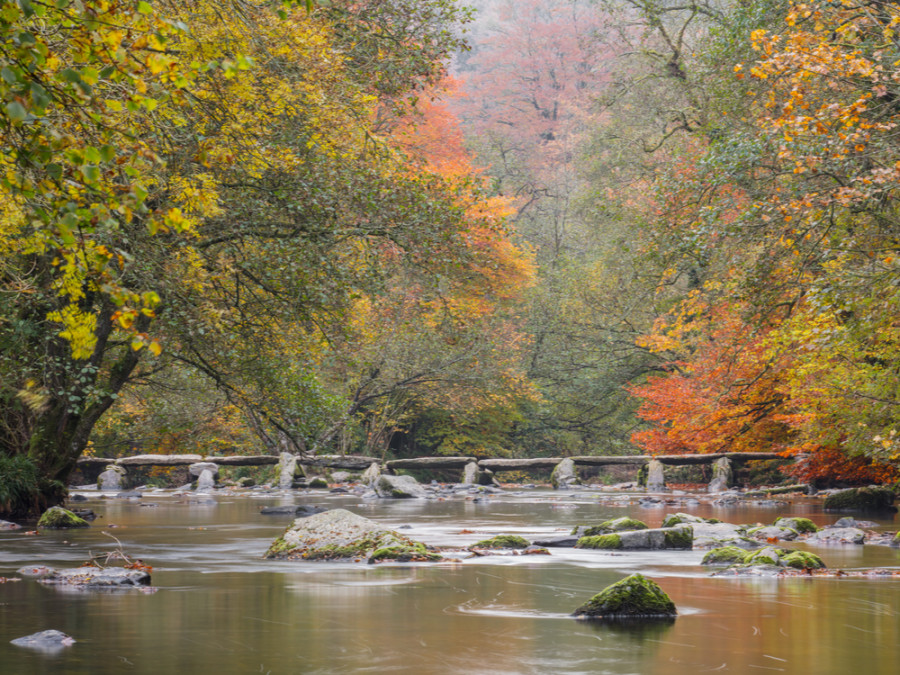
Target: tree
163,169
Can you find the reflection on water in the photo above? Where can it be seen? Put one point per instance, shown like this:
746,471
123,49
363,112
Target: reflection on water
220,608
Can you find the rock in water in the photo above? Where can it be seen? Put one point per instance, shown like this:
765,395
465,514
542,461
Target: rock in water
634,597
339,534
97,578
680,537
399,487
564,476
861,499
58,518
48,641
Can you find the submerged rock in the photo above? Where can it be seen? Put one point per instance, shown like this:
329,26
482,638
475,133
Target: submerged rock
871,498
680,537
399,487
88,577
48,641
299,511
58,518
634,597
339,534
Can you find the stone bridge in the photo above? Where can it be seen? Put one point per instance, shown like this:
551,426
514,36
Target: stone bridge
650,466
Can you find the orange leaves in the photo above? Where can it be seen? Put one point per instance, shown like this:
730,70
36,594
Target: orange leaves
722,395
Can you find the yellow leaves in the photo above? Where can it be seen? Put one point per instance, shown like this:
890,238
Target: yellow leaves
78,328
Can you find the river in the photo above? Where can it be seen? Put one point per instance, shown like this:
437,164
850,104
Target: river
219,608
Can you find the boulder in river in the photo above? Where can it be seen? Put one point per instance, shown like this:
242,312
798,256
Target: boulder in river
7,525
837,535
339,534
298,511
681,537
773,532
90,578
873,498
58,518
623,524
725,555
503,541
47,641
634,597
764,562
799,525
399,487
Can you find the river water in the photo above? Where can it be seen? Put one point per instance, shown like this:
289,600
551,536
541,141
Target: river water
220,608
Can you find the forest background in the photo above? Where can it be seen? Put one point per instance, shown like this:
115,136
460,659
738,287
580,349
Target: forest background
404,228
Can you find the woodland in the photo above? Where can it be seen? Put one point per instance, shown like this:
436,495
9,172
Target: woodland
405,228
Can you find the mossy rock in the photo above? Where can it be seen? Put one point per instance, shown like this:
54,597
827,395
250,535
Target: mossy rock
802,560
417,552
634,597
58,518
679,537
604,541
317,483
861,499
338,534
896,540
769,555
673,519
800,525
623,524
781,557
503,541
725,555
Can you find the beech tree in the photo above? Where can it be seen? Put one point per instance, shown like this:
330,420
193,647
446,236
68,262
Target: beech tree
180,152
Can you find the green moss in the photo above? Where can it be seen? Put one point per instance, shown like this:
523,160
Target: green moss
503,541
800,525
896,540
317,482
634,597
416,552
606,541
674,519
725,555
766,556
623,524
802,560
861,499
58,518
680,537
